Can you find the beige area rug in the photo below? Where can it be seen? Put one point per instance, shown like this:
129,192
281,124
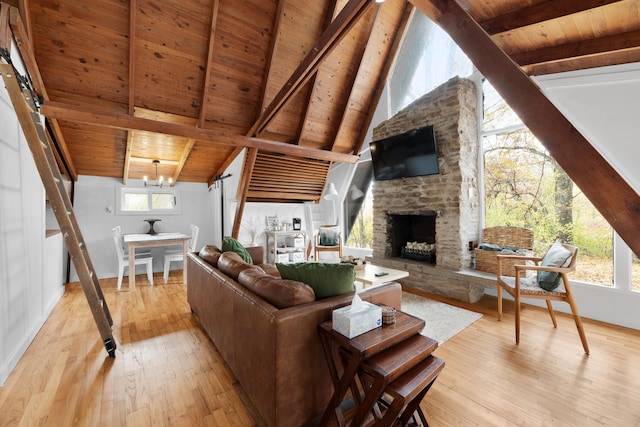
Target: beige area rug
442,321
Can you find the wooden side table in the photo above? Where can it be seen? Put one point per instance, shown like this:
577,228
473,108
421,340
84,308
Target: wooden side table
356,351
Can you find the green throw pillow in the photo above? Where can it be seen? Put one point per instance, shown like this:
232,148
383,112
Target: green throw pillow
556,256
326,279
229,244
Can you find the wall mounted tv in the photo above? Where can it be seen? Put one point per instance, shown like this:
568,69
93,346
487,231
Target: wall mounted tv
407,155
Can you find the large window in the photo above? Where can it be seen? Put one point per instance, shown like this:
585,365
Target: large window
138,201
525,187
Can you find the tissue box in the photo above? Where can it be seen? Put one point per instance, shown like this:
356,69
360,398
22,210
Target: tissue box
351,324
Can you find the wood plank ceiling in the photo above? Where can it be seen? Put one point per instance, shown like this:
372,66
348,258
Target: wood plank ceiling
193,82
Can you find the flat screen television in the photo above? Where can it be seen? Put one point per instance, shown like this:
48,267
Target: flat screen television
407,155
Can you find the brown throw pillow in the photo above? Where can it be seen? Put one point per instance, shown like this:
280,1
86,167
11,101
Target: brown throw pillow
231,264
210,253
280,293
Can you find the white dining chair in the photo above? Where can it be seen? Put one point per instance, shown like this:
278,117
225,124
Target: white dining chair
123,259
176,255
125,248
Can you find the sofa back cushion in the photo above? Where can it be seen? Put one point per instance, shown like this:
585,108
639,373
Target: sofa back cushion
210,253
326,279
280,293
231,264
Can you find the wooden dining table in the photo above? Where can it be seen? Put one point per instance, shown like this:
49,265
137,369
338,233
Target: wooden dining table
160,239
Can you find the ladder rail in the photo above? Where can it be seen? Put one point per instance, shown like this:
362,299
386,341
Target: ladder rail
38,141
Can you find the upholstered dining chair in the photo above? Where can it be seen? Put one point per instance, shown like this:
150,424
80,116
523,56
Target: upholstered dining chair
176,255
123,259
549,283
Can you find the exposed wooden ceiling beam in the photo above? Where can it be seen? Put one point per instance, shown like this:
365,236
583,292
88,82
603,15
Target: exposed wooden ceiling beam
568,51
97,116
539,12
618,203
338,29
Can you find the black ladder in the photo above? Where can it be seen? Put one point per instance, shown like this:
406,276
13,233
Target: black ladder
26,107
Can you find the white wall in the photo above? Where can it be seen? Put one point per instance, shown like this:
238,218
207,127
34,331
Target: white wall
27,291
603,104
94,194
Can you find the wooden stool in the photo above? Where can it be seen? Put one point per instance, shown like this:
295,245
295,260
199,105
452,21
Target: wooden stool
377,373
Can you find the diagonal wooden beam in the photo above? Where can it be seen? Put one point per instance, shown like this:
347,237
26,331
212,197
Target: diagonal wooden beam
540,12
338,29
89,114
601,183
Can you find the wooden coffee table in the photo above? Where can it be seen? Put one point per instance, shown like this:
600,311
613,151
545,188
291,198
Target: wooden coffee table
374,275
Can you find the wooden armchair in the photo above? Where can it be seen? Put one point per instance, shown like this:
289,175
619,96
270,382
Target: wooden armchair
318,247
550,283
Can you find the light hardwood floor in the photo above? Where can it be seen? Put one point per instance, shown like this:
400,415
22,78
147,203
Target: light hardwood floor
168,373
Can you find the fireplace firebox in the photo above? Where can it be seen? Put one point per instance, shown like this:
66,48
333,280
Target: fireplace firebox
413,236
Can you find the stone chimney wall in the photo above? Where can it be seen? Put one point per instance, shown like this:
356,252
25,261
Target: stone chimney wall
453,193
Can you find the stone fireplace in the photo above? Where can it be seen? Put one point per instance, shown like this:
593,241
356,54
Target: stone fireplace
441,210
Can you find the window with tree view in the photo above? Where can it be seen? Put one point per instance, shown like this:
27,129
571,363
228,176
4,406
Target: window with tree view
525,187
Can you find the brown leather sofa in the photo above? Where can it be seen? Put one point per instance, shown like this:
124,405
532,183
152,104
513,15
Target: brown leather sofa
275,354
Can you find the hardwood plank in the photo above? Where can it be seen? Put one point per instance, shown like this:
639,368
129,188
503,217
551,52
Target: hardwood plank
168,372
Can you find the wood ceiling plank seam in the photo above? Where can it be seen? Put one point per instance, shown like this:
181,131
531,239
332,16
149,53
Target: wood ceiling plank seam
618,203
347,99
393,52
131,89
301,125
98,116
338,29
599,46
16,29
540,12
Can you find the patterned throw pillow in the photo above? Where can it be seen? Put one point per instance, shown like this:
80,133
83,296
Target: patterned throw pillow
556,256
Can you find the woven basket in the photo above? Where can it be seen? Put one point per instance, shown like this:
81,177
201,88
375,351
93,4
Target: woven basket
512,237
